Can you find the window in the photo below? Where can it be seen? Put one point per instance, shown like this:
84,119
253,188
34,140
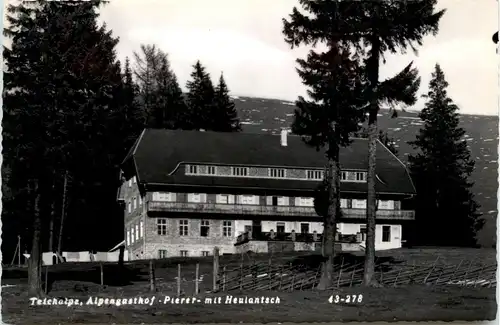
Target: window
134,200
204,253
362,229
343,203
162,253
204,228
141,229
359,204
386,204
192,169
129,207
304,228
161,225
211,170
140,200
184,253
248,199
239,171
194,197
315,174
183,227
162,196
134,180
360,177
128,237
282,200
226,228
306,201
130,183
276,173
132,235
137,231
386,234
343,176
280,227
222,198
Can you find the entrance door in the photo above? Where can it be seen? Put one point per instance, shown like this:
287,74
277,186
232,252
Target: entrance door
256,227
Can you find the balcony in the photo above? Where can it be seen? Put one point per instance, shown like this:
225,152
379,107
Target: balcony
263,210
296,237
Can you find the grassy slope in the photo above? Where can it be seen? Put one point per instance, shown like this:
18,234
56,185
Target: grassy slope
415,302
269,115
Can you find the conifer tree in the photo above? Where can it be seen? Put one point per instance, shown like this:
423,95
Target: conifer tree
176,105
386,26
61,95
335,81
446,209
200,99
132,112
225,117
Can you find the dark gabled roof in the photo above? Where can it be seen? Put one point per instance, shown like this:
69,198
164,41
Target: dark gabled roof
157,155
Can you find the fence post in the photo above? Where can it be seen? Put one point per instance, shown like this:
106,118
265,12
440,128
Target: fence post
353,273
269,273
397,276
467,273
196,282
102,275
46,279
340,272
178,280
281,277
479,275
241,276
151,276
216,269
432,269
224,279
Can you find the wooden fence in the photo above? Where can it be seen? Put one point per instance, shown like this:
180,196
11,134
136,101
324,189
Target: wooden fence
269,276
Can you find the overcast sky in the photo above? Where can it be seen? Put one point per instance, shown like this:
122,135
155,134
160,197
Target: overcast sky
243,39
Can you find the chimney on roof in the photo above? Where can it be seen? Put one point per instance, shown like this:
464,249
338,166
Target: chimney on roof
284,135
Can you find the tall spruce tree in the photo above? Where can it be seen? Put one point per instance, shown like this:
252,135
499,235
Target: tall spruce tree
61,88
386,26
224,117
335,81
441,170
176,105
200,99
132,114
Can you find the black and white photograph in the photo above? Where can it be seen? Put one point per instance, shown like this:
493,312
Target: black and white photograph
249,161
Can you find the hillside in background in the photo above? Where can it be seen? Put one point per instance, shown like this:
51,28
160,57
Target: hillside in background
270,115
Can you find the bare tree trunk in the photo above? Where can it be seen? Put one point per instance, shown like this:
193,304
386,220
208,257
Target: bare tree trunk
63,212
373,75
52,217
330,223
35,261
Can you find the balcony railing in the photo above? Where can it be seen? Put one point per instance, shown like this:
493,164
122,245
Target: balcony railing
293,236
266,210
277,236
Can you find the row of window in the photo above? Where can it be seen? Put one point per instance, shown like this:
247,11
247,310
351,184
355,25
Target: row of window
183,227
163,253
270,200
202,170
135,232
134,203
